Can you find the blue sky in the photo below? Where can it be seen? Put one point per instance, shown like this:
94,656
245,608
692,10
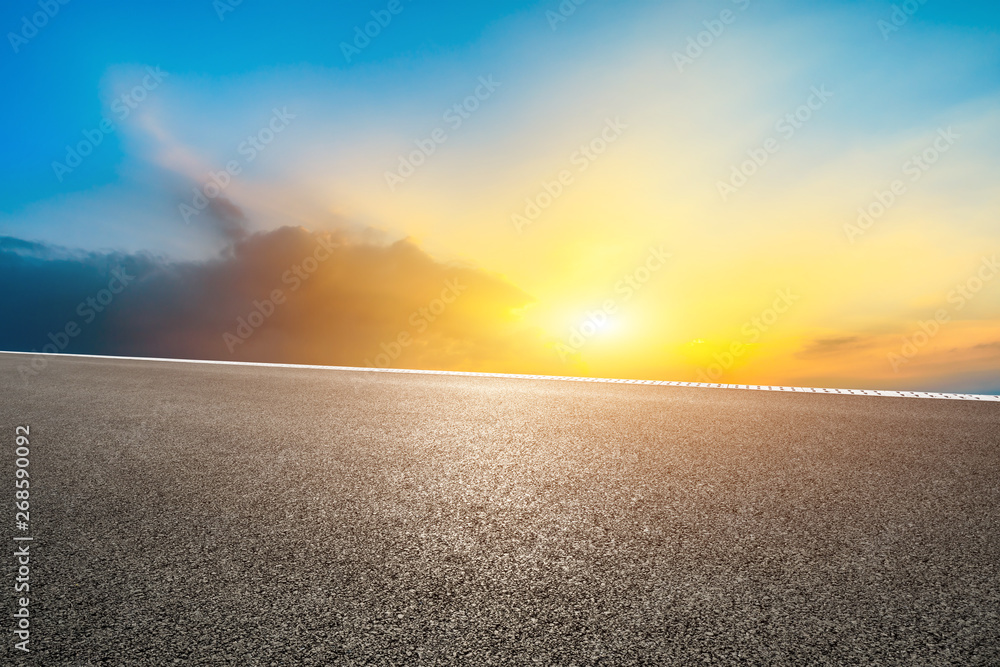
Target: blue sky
56,78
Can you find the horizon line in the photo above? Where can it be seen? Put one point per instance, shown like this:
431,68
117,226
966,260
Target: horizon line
524,376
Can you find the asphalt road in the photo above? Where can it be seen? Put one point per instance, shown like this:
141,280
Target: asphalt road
212,515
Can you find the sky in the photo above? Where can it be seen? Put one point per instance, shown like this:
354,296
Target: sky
733,191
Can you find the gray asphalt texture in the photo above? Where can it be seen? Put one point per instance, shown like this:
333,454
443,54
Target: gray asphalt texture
231,515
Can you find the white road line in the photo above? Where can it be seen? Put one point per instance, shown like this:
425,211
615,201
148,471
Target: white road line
670,383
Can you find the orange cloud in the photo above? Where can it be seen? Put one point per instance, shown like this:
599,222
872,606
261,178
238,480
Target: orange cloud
296,296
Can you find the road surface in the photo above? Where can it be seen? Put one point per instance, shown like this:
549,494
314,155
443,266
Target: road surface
237,515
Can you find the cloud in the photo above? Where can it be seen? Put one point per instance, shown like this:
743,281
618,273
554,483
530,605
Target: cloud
834,346
227,219
289,295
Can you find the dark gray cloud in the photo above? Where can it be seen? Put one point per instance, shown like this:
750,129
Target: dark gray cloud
343,301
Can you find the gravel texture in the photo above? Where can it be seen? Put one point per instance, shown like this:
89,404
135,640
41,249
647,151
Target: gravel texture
230,515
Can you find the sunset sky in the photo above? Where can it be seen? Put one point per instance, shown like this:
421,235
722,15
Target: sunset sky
733,191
